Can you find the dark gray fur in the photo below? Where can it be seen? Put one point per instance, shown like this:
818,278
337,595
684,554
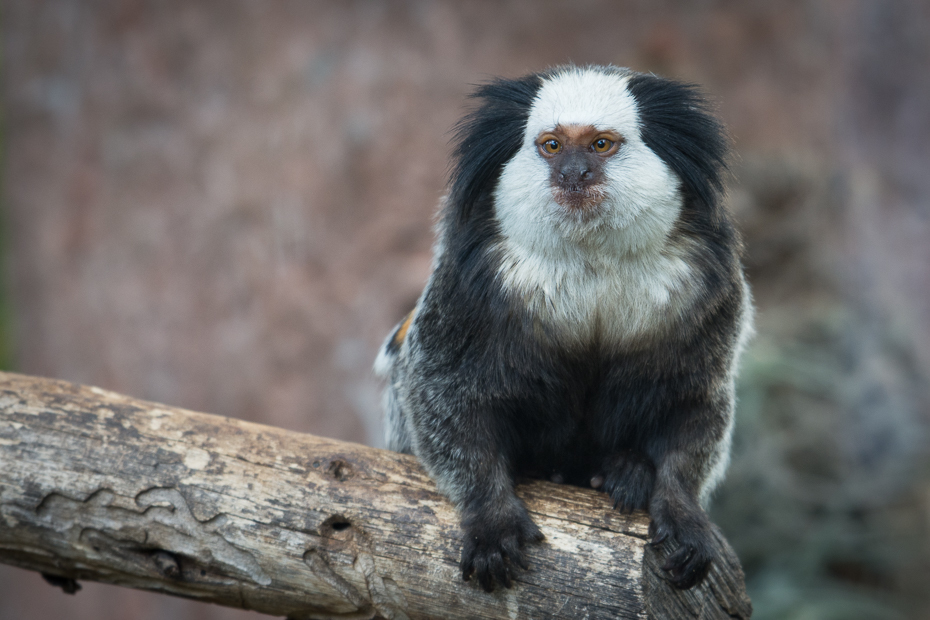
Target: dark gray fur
483,395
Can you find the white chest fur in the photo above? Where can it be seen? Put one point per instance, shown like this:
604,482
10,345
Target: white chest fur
586,296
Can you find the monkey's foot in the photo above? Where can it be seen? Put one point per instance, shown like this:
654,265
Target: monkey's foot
688,564
492,552
629,479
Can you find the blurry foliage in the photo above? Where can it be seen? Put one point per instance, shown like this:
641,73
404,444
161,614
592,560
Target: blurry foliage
825,500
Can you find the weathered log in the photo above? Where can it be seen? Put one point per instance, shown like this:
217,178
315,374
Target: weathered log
96,485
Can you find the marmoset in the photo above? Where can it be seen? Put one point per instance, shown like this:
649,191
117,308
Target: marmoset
584,316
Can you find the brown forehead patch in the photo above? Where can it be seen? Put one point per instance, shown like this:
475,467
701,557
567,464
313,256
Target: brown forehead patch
577,134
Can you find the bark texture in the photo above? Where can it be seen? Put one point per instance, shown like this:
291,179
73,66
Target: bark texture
96,485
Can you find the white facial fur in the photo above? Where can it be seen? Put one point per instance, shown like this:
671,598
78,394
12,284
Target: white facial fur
608,273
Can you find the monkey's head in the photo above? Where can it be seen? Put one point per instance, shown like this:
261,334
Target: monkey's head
596,154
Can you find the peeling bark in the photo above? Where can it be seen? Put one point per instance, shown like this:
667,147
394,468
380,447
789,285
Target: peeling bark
96,485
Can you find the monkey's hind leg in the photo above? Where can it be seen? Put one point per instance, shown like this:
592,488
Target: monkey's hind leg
396,435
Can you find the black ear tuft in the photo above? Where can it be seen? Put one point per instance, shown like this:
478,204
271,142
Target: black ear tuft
678,125
487,138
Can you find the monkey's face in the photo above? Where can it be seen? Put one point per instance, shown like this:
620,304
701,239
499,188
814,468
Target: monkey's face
583,172
576,156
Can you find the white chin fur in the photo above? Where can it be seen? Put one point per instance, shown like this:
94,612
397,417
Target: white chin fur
607,272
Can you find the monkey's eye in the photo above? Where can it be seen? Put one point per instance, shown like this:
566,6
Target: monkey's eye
551,146
602,145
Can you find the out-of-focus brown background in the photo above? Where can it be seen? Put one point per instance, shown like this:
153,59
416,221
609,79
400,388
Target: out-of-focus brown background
226,205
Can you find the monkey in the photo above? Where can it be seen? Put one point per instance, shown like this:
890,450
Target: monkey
584,316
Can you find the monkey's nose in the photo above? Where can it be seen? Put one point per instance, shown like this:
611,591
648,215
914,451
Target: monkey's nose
574,177
574,174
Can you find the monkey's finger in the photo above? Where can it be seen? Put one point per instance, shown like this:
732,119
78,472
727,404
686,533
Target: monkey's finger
467,565
530,533
677,562
697,575
485,579
502,575
696,568
658,534
690,574
518,557
527,532
490,567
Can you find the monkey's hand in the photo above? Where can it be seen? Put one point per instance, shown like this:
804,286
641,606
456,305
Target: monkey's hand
628,479
493,545
688,564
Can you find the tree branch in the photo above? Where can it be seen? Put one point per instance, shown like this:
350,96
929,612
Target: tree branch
96,485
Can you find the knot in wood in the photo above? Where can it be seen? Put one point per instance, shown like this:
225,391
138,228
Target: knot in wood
337,526
340,470
167,564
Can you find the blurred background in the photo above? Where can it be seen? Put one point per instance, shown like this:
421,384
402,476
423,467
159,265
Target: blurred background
226,205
